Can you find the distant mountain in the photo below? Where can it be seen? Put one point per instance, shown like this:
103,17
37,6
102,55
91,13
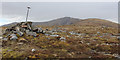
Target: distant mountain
11,24
59,21
75,21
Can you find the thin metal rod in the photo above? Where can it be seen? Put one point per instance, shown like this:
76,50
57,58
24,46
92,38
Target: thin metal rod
27,14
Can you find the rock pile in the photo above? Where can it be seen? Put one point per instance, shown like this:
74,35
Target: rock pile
20,29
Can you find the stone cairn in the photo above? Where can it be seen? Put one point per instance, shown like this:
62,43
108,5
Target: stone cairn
20,29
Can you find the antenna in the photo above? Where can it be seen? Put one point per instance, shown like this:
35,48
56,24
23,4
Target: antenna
27,12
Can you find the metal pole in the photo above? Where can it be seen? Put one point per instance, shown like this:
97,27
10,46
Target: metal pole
27,13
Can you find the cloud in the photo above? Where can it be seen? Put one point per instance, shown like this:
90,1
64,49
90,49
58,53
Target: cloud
10,20
113,20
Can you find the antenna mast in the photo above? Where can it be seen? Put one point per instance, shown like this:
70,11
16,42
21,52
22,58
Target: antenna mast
27,12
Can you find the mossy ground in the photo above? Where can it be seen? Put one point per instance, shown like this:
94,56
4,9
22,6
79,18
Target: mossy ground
75,46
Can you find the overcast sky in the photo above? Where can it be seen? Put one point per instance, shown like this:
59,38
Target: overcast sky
59,0
16,11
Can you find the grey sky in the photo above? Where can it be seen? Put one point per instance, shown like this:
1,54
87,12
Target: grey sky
44,11
60,0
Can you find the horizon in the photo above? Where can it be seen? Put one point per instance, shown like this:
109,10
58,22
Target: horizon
58,18
16,11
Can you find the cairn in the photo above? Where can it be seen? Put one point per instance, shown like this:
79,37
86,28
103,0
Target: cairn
21,29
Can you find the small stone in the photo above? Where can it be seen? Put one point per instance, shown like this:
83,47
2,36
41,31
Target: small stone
55,54
33,50
62,38
9,50
89,57
98,32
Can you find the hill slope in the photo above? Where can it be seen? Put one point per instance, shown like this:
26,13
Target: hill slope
97,22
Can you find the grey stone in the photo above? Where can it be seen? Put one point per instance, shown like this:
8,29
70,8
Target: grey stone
9,50
62,38
54,35
17,28
27,31
72,33
47,34
31,33
5,39
20,33
98,32
13,37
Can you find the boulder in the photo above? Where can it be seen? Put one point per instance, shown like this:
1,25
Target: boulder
17,28
31,33
13,37
20,33
38,30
